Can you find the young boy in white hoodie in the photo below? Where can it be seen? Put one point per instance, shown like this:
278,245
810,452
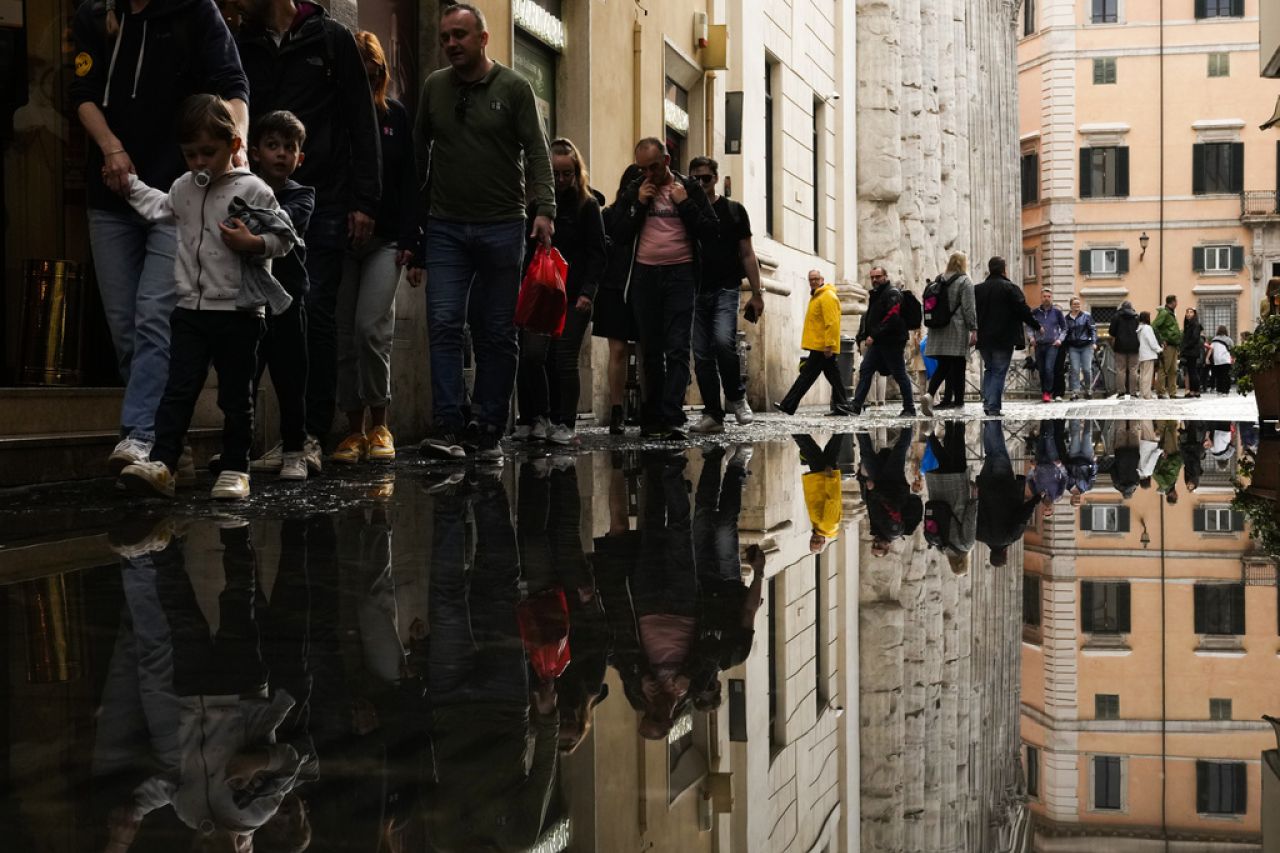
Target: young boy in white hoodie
216,253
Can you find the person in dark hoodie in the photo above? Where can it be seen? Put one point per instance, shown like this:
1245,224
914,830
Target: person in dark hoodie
893,511
297,58
1124,345
134,66
885,335
1005,503
1002,313
1124,465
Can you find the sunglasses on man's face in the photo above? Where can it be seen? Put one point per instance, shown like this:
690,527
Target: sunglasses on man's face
706,179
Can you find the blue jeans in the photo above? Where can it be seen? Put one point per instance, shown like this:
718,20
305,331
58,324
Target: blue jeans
715,349
995,367
480,262
135,262
884,359
1081,361
1046,361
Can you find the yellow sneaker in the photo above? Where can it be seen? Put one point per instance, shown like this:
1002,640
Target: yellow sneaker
352,449
382,446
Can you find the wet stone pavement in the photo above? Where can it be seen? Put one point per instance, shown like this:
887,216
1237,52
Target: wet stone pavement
1059,630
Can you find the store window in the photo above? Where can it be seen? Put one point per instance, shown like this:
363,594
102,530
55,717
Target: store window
539,39
675,110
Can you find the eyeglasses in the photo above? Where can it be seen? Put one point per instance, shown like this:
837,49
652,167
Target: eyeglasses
464,101
706,179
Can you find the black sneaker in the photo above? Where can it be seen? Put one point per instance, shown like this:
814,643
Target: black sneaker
470,438
783,409
443,446
908,413
676,434
652,431
489,449
616,421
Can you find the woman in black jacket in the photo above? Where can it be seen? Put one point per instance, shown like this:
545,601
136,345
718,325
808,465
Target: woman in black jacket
1124,345
547,384
1192,352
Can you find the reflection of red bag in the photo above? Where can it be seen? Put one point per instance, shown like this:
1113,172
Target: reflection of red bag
544,628
541,305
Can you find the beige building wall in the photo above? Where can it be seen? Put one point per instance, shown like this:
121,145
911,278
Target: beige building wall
1162,103
1163,672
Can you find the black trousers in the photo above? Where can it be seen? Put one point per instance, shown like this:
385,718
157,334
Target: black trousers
815,365
1222,377
547,381
326,249
229,341
283,351
1191,369
662,299
950,369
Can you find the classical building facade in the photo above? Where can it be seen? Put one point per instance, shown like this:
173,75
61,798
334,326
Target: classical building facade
1144,171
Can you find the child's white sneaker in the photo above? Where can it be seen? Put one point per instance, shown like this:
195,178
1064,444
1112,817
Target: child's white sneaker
269,461
230,486
293,466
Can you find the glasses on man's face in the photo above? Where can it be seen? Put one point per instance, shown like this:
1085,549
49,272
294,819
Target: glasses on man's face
706,179
460,108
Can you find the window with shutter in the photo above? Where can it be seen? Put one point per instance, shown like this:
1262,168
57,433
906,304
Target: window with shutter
1106,706
1122,261
1104,607
1217,167
1033,771
1105,11
1237,258
1197,259
1107,783
1219,609
1029,17
1222,787
1030,178
1104,71
1031,600
1086,261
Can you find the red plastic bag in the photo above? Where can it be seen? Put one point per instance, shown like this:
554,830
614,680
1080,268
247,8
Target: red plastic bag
541,305
544,628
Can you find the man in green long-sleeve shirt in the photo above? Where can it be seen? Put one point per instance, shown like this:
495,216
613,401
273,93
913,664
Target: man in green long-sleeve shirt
477,128
1165,325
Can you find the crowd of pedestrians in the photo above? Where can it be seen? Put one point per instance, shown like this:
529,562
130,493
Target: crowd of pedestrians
271,230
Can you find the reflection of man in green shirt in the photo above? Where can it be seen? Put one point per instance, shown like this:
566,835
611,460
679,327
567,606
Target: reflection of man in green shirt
1166,473
477,128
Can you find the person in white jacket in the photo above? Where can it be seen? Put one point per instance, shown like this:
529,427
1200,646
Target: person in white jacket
1148,354
215,254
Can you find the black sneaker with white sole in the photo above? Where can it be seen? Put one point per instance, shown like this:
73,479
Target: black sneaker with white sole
489,449
443,446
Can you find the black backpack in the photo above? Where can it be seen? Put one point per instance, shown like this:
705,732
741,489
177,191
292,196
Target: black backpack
937,302
910,309
937,523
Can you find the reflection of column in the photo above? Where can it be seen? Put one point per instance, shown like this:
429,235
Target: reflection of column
52,610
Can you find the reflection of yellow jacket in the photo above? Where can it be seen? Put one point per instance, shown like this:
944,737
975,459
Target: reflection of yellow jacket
822,496
822,320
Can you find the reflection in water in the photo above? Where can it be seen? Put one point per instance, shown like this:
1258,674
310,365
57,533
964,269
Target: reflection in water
1062,632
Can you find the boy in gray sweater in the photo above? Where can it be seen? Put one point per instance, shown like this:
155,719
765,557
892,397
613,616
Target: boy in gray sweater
208,326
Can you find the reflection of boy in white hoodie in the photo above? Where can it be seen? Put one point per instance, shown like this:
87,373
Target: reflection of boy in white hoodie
207,328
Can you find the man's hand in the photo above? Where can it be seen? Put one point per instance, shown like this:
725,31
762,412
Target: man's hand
973,339
240,239
359,227
417,276
116,169
869,340
678,193
829,352
1057,343
543,230
403,258
647,192
243,766
544,698
756,303
583,305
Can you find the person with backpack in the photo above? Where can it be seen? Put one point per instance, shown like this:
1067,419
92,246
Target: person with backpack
821,337
1082,340
1124,346
136,63
951,315
893,510
884,330
1220,358
1002,312
1051,332
951,513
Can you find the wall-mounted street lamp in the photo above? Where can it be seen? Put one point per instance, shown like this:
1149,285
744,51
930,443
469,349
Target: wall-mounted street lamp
1143,241
1145,539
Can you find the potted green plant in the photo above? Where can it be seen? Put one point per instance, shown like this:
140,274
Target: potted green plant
1257,490
1257,367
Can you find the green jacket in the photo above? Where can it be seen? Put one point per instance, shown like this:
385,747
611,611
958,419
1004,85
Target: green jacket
1166,473
1165,325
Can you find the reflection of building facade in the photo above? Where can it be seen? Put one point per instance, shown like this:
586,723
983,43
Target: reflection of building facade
1149,653
1193,211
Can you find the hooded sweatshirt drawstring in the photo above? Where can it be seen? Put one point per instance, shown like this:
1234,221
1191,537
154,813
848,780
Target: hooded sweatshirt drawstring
115,52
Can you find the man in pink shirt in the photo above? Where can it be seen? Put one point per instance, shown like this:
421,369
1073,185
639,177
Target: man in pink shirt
664,217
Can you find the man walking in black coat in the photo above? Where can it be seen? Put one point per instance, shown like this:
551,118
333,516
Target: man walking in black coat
886,336
1002,313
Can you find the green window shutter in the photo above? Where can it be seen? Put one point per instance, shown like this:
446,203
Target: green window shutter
1086,261
1086,177
1197,168
1237,609
1122,172
1199,597
1237,521
1237,258
1236,184
1200,9
1098,75
1197,521
1202,767
1122,519
1237,8
1122,608
1086,517
1239,789
1086,607
1122,261
1197,259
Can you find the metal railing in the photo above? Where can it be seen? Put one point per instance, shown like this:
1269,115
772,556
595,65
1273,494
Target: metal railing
1259,203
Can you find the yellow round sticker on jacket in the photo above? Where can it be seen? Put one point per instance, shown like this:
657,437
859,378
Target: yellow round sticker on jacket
84,63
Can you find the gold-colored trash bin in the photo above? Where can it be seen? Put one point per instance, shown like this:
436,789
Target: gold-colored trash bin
52,313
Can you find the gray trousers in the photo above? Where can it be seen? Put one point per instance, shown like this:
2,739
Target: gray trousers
366,316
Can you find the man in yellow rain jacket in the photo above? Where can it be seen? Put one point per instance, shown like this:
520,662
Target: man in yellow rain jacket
821,338
821,486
